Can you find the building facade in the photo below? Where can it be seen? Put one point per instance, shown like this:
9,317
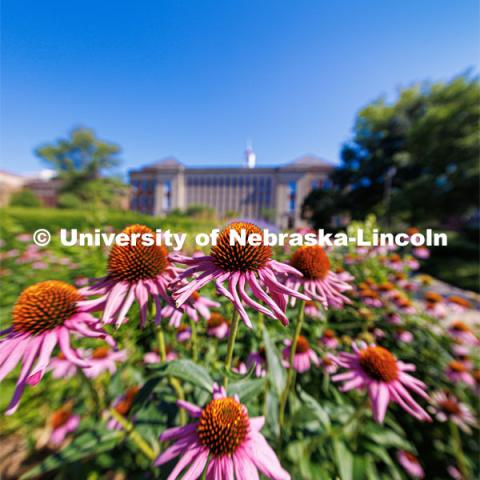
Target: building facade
271,194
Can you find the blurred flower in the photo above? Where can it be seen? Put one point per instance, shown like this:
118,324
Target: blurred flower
329,339
241,368
240,266
184,333
45,314
404,304
81,281
394,261
62,422
454,473
104,359
225,440
457,372
394,318
123,404
410,463
404,336
343,275
312,311
319,281
61,367
135,272
304,355
39,265
154,357
412,263
328,364
375,368
24,237
259,359
445,406
421,252
436,309
370,298
458,304
217,326
462,332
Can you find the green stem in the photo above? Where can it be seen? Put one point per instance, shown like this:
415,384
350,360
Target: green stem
261,324
173,381
458,450
97,403
193,326
161,345
133,434
231,344
291,370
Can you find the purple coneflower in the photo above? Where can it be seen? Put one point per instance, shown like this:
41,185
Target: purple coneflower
312,310
304,355
370,298
135,272
329,338
446,406
184,333
240,266
104,359
44,315
375,368
328,364
404,336
462,332
224,440
319,281
259,359
62,422
410,463
421,252
61,367
154,357
195,306
122,405
217,326
458,304
457,372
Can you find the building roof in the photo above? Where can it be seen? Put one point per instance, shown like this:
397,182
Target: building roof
305,162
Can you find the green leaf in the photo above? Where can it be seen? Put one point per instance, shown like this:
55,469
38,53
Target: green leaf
276,372
143,395
188,371
88,444
316,409
246,389
237,376
343,460
271,408
388,438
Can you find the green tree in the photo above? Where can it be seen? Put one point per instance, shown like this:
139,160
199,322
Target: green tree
25,198
81,161
426,143
81,156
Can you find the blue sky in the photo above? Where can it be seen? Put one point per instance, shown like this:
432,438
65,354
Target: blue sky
197,79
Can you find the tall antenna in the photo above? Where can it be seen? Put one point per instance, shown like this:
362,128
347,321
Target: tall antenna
250,156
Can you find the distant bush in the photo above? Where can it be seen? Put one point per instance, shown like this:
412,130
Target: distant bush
25,198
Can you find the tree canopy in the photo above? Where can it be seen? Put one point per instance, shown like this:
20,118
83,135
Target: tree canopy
80,161
427,142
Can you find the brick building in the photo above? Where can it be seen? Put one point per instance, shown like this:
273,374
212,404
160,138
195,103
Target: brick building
275,194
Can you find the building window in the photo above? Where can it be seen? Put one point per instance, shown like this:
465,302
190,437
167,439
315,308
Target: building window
167,196
292,194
